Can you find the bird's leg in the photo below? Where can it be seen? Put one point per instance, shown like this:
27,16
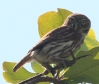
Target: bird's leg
61,64
48,69
70,62
72,54
64,62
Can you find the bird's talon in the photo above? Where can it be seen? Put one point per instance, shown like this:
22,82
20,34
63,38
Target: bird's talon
53,72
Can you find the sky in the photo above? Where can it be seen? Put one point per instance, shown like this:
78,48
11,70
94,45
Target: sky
19,28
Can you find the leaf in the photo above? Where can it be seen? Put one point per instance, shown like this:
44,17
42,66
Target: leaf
37,67
85,69
51,20
15,77
44,83
90,40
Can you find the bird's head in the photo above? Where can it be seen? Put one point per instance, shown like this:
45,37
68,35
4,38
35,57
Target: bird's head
79,22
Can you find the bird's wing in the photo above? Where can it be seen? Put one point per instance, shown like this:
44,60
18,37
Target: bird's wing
60,33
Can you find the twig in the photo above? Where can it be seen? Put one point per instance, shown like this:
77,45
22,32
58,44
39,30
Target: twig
83,56
31,79
46,79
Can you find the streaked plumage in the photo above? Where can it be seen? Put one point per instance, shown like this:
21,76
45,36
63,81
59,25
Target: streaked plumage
56,44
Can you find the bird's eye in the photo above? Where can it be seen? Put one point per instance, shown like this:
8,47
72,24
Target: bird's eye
83,22
71,19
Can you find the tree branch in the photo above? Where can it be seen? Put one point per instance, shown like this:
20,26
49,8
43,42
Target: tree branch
46,79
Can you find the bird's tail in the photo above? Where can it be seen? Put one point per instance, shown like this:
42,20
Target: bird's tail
26,59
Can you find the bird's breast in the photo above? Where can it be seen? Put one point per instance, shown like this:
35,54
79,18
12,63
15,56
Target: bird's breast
57,49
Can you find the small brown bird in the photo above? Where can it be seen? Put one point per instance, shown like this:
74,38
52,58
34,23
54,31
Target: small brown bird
59,43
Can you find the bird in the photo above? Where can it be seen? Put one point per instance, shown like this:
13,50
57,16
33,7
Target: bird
59,43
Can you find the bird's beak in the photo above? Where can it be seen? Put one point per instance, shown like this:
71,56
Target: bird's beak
74,26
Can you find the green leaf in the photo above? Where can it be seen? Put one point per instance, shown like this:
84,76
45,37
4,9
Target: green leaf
90,40
37,67
85,69
51,20
44,83
15,77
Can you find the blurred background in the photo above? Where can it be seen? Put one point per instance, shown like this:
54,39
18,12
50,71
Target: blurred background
19,28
